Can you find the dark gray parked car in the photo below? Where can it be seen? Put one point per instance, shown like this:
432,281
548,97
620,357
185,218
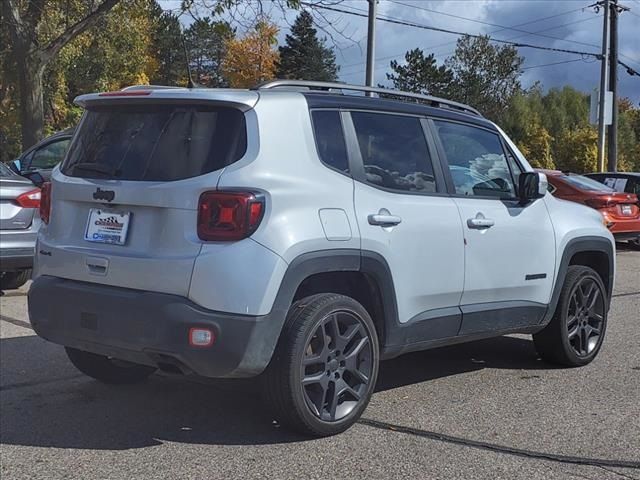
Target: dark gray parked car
43,156
19,224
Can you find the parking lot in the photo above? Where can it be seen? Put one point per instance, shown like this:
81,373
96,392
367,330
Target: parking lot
489,409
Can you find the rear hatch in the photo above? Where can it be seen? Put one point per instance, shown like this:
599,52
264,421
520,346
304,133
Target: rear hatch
124,202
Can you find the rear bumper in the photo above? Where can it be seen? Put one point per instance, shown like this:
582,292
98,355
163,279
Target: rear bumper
16,259
149,328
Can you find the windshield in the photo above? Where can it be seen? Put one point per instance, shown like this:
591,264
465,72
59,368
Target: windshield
584,183
156,142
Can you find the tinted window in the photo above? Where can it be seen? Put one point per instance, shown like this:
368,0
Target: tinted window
584,183
394,152
156,142
327,127
476,161
50,155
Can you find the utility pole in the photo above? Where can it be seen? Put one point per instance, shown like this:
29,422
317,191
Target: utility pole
603,85
371,43
612,163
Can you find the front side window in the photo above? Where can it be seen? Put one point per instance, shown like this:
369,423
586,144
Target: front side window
327,127
394,152
50,155
476,161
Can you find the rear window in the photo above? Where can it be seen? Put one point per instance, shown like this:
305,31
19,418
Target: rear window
156,142
584,183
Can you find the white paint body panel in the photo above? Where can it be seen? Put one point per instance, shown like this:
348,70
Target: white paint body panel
309,207
497,259
425,252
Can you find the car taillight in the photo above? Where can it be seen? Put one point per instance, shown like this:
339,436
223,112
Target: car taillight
600,202
45,202
30,199
228,215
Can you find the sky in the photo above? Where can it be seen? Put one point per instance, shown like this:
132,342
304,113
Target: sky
573,23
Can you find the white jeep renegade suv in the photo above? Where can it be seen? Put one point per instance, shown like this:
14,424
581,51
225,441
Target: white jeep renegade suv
302,234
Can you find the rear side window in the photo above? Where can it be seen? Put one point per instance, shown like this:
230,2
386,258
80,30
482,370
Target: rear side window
156,142
584,183
394,152
330,139
476,161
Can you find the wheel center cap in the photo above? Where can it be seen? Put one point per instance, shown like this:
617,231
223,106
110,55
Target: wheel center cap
333,365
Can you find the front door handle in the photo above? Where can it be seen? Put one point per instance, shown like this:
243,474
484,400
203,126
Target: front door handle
480,222
384,219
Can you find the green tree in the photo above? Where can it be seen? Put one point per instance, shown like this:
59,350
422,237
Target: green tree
535,145
576,150
38,30
167,49
206,42
304,56
421,74
485,76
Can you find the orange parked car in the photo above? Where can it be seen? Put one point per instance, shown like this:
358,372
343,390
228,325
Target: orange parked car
620,210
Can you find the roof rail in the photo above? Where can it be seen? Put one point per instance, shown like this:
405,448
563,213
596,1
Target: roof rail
148,87
433,101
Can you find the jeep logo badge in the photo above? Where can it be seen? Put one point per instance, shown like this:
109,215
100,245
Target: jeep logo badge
107,195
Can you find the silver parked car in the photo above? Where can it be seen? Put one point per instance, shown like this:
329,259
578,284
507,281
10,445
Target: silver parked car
19,223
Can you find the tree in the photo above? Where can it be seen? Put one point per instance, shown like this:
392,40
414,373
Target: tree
27,24
421,74
577,150
304,56
536,145
207,42
485,76
167,49
251,59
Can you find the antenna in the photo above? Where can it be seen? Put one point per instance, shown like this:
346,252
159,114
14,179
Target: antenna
190,83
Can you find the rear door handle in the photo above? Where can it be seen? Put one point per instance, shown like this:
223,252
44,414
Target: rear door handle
480,222
384,219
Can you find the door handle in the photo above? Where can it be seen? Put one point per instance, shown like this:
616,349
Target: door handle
480,222
384,219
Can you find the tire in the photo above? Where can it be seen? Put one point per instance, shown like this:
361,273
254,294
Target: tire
635,244
14,280
575,334
107,370
339,370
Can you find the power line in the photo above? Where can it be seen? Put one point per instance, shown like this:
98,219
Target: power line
453,32
502,27
488,33
554,63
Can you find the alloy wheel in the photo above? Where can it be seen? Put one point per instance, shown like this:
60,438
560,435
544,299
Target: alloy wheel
585,317
337,365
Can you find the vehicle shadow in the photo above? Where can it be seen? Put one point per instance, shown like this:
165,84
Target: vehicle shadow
46,403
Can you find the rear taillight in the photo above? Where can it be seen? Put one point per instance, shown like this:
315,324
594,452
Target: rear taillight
30,199
228,215
600,202
45,202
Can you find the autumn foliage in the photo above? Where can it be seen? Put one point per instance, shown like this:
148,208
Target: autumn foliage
253,58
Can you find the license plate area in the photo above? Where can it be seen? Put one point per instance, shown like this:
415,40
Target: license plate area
626,209
107,226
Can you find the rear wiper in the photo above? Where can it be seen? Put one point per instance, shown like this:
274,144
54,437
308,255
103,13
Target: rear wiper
94,167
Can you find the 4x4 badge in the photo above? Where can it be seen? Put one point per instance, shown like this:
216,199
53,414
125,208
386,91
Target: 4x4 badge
107,195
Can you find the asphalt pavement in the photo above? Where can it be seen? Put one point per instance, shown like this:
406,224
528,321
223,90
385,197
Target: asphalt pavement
489,409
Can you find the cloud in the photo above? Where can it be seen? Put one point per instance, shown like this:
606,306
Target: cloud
575,26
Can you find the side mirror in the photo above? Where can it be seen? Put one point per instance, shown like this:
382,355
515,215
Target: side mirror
14,166
531,186
35,177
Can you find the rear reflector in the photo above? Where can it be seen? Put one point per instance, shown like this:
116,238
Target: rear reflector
30,199
201,337
226,216
45,202
129,93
